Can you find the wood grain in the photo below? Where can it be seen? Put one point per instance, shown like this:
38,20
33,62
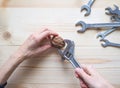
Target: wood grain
20,18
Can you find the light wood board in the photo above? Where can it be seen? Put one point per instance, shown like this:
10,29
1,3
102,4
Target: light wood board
20,18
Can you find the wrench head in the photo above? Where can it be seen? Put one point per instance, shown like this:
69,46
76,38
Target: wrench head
114,18
100,35
87,8
105,42
116,8
83,25
111,11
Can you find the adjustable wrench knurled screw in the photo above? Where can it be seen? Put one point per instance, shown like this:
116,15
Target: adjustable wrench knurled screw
87,7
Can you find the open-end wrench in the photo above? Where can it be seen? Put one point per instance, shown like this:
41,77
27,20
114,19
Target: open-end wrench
87,7
115,14
68,53
104,34
115,18
108,43
116,11
97,25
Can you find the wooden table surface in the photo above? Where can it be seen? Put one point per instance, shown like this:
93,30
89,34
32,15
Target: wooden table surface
20,18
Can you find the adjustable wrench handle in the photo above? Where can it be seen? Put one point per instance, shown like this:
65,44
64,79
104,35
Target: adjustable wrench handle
74,63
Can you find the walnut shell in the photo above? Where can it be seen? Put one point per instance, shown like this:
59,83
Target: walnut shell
57,42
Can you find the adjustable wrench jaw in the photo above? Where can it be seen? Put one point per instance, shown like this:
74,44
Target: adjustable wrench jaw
68,53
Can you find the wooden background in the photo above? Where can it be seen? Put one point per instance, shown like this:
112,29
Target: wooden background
20,18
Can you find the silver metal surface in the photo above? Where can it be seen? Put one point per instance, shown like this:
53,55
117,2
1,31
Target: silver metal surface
115,14
68,53
108,43
116,11
115,18
87,7
97,25
104,34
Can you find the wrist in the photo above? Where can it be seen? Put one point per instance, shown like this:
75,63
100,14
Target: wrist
17,56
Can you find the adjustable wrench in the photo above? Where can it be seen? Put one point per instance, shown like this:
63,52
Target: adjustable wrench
104,34
97,25
87,7
108,43
68,53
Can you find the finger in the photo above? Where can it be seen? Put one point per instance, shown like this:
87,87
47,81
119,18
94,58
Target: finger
43,30
88,69
45,34
83,85
76,75
82,74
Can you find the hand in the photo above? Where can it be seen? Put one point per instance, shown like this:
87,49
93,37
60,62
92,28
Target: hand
34,45
89,78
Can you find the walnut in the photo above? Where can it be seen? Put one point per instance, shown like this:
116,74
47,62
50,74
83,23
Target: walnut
57,42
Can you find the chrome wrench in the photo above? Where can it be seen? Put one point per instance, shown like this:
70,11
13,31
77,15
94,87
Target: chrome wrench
108,43
104,34
87,7
115,14
97,25
68,53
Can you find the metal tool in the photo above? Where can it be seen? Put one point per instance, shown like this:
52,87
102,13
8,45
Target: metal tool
114,18
115,14
108,43
116,11
104,34
87,7
97,25
68,53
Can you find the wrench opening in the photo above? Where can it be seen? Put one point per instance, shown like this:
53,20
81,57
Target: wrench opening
85,7
104,42
110,11
83,26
